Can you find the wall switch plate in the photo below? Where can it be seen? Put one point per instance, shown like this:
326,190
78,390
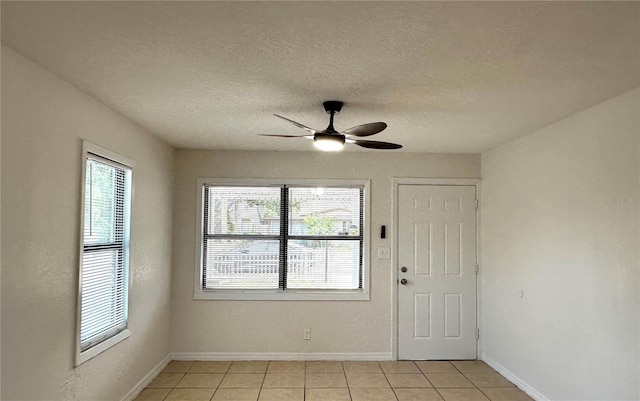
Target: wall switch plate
384,253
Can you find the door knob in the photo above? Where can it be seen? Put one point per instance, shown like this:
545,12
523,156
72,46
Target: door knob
403,269
403,281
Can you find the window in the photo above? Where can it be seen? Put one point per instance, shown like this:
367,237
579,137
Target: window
104,261
287,240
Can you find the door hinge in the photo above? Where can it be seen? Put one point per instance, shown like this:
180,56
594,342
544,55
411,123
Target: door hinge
477,268
477,334
477,204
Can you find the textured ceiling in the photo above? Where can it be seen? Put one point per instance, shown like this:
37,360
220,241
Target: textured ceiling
445,76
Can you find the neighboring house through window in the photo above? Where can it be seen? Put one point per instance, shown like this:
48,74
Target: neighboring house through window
104,262
303,239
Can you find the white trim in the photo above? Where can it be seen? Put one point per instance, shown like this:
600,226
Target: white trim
435,181
281,356
83,356
479,296
290,294
137,389
89,148
395,183
522,385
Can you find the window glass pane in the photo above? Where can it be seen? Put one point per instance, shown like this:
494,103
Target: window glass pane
244,210
102,185
322,264
103,294
324,211
238,264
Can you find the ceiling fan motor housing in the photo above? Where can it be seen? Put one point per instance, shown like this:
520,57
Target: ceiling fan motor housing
332,106
323,136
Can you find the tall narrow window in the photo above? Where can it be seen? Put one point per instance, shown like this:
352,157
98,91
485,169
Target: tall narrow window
104,266
283,240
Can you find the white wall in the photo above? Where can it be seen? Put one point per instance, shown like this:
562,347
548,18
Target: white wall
549,228
276,327
43,121
0,239
0,236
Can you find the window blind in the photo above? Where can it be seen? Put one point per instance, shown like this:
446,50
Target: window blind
105,256
241,237
327,222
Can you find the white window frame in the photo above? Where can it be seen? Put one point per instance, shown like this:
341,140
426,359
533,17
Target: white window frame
361,294
89,149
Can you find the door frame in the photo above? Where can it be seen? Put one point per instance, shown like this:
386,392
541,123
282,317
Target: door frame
396,182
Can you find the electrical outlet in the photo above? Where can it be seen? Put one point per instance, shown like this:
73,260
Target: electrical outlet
306,334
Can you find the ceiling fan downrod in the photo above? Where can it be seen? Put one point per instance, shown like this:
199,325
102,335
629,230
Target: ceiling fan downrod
332,107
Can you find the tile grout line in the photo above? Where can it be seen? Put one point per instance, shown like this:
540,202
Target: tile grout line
263,379
343,371
388,382
221,380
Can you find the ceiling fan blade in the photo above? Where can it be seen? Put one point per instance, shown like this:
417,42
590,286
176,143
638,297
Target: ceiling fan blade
377,145
288,136
365,129
297,124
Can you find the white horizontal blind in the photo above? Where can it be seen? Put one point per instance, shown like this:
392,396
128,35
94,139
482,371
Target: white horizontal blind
105,257
241,237
327,222
281,237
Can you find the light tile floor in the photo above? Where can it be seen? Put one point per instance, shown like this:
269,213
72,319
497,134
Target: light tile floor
330,381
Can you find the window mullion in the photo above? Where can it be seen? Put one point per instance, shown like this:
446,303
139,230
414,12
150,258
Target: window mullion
102,247
326,237
205,232
242,236
361,267
284,233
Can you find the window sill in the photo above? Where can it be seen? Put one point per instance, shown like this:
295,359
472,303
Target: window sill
82,357
278,295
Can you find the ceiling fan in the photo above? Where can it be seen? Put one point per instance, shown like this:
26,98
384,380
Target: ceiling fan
331,140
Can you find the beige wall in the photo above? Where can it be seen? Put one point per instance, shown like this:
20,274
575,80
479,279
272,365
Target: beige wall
548,228
43,121
560,219
0,238
354,327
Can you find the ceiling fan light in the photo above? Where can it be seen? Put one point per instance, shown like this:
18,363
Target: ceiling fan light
329,143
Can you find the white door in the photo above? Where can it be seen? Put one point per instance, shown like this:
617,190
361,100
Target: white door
437,292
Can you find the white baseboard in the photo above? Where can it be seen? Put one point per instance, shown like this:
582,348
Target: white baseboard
524,386
281,356
147,379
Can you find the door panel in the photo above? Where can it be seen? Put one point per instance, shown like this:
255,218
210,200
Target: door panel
437,244
422,315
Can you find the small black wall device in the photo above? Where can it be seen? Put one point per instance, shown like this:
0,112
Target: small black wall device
383,232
